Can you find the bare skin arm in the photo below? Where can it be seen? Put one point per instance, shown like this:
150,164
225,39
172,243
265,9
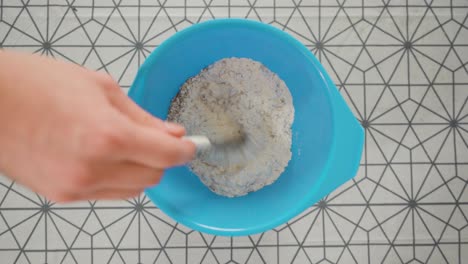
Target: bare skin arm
70,134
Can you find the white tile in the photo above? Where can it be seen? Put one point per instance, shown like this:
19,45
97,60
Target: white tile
382,81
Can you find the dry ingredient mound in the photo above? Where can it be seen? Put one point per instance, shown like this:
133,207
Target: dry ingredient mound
238,94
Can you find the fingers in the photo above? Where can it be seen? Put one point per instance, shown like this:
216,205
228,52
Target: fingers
107,180
119,139
155,148
106,194
129,108
110,194
125,175
174,129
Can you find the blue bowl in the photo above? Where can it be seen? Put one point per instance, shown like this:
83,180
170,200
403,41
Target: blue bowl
327,139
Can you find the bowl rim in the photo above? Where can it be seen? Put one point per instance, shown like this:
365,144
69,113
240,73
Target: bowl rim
303,203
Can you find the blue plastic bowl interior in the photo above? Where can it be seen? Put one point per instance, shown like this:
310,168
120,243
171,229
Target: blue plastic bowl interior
180,194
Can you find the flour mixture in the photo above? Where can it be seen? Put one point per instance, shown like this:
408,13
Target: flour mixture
238,95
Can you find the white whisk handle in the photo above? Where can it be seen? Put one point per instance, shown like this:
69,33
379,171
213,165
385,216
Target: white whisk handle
201,142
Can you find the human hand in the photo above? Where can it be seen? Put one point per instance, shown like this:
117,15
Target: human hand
69,133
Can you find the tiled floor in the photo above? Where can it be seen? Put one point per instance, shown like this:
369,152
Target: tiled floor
401,66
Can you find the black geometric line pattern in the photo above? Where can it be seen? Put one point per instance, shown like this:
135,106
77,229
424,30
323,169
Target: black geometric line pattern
401,65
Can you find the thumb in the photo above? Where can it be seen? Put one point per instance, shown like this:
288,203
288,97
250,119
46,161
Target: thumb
155,148
134,112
